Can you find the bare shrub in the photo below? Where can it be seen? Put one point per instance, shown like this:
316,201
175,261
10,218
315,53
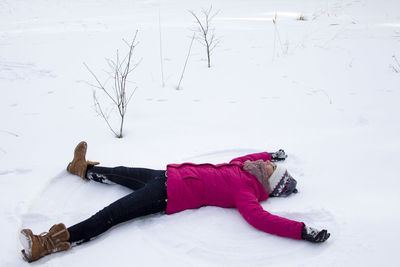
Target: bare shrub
206,30
117,92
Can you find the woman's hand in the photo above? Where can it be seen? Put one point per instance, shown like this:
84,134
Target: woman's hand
278,155
314,235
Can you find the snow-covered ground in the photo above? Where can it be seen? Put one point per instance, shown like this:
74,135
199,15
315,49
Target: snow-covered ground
325,89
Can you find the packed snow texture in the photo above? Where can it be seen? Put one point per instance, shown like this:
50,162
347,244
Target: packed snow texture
324,88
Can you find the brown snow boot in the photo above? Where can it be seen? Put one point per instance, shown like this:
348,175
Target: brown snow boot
79,165
37,246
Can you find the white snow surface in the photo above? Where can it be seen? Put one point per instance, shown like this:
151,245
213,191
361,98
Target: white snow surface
324,89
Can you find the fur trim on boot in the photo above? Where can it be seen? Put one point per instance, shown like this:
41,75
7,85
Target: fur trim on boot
78,165
37,246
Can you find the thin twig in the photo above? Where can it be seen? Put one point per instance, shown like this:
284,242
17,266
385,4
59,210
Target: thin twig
325,93
10,133
276,34
187,57
101,113
396,68
274,21
100,85
161,53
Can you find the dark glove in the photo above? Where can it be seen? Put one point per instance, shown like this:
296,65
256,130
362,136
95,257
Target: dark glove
314,235
278,156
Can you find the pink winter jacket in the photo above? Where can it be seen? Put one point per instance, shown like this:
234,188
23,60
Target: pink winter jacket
226,185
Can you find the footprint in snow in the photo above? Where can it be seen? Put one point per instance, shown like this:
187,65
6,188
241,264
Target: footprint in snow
361,121
15,171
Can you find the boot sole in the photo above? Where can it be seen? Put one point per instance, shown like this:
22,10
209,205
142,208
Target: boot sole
69,164
26,243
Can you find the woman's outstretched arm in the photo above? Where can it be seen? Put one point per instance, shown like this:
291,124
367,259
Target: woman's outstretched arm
254,214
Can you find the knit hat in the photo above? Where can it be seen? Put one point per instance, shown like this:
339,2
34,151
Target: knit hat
282,183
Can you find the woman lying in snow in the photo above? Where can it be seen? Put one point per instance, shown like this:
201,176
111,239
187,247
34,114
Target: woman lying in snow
241,183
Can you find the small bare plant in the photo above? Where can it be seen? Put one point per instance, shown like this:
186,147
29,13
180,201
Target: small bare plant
396,65
206,30
119,70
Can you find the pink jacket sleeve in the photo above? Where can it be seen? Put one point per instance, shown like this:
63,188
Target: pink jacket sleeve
254,214
253,157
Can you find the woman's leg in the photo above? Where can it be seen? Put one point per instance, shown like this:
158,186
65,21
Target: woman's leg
133,178
149,199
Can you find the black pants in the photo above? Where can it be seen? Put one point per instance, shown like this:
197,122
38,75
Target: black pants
149,197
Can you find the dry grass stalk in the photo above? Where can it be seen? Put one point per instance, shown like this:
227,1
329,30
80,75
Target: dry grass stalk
161,53
277,36
187,58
